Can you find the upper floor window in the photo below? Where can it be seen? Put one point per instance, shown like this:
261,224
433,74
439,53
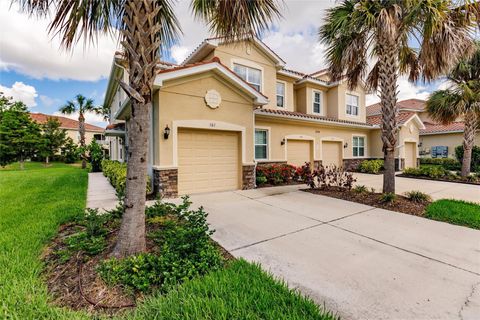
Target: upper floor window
280,94
358,146
261,144
352,105
317,102
251,75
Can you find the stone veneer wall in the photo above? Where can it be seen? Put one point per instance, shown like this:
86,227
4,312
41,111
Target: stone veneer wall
165,182
248,177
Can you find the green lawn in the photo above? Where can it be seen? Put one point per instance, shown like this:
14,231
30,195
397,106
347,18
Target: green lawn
456,212
34,202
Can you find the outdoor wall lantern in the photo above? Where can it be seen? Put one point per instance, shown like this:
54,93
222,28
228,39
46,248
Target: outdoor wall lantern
345,146
282,142
420,145
166,132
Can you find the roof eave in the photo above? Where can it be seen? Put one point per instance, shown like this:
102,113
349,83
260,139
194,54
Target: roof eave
439,132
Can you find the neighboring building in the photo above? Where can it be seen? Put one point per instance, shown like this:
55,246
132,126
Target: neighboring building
436,140
230,107
71,128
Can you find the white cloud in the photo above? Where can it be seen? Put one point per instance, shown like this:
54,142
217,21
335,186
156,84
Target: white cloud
179,53
90,117
20,91
27,48
47,101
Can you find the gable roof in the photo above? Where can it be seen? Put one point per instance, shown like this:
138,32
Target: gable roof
209,44
438,128
65,123
310,117
402,119
415,105
212,65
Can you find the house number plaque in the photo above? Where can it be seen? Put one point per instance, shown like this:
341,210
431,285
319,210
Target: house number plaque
213,99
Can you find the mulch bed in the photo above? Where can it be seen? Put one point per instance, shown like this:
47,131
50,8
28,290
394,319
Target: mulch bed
268,185
76,284
438,179
401,203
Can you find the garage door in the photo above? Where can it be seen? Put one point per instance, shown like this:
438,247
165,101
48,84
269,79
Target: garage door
332,153
208,160
298,152
410,155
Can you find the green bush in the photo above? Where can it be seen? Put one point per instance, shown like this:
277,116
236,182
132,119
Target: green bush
360,189
371,166
446,163
95,156
116,172
185,251
475,164
417,196
261,180
388,197
433,172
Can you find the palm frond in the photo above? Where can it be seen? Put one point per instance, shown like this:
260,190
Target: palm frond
445,106
237,19
35,7
68,108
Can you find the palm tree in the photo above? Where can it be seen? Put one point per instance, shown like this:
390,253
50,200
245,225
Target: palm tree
147,27
80,105
357,32
461,99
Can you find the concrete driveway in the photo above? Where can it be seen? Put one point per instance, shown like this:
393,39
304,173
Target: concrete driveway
436,189
362,262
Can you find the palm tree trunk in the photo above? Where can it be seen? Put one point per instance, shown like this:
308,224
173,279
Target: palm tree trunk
468,142
81,130
388,75
141,49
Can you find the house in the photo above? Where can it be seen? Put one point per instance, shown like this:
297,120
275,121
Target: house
71,128
436,140
230,107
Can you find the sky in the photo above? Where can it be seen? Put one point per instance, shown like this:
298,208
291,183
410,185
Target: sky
35,70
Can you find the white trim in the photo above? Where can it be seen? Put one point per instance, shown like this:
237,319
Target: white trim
251,65
268,129
285,107
213,66
290,74
317,81
365,145
417,119
331,139
302,137
321,113
205,124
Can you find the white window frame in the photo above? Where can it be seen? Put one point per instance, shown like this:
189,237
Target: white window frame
358,147
320,103
284,94
267,144
346,105
247,67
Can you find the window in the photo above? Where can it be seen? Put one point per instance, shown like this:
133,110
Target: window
280,94
250,75
317,102
261,144
358,146
352,105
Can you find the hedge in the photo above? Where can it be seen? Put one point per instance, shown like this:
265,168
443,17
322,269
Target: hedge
371,166
446,163
116,172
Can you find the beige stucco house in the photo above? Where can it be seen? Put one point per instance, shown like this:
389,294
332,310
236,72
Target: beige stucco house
436,140
230,107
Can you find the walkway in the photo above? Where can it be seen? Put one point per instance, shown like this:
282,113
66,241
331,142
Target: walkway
100,193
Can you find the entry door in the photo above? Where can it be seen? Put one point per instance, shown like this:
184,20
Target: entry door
410,155
208,161
332,153
299,152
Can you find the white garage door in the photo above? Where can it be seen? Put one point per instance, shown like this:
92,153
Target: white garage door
410,155
299,152
332,153
208,160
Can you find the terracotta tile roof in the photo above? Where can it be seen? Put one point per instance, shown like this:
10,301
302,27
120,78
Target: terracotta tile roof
308,116
65,123
298,73
402,117
409,104
433,128
321,71
213,60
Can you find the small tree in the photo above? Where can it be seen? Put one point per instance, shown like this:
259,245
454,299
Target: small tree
19,135
95,156
53,138
70,151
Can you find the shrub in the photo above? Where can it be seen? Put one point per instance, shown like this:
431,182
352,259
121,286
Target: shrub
475,164
276,173
417,196
371,166
388,197
446,163
428,171
360,189
261,180
326,177
116,172
95,156
185,248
